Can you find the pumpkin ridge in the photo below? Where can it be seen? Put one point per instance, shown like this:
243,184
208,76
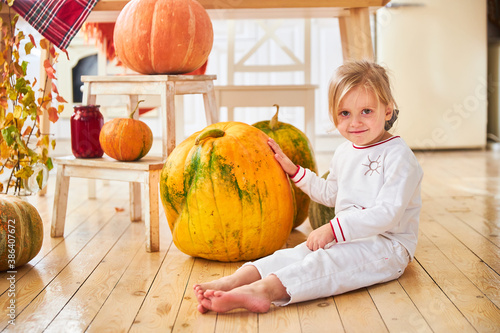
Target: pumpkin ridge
121,126
259,196
227,173
194,173
155,66
192,31
143,147
211,164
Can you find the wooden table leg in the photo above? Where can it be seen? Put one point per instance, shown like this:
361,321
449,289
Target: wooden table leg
134,188
168,123
151,219
135,202
211,111
60,203
355,35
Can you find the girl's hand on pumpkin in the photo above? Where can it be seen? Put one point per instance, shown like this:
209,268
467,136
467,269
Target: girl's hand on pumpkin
288,166
320,237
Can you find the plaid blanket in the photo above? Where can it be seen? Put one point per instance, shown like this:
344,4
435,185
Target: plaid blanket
57,20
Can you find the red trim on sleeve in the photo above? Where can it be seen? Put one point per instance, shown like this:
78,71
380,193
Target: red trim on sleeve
296,172
303,175
341,231
334,236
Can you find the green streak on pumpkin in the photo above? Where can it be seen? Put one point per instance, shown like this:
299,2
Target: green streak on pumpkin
169,196
191,171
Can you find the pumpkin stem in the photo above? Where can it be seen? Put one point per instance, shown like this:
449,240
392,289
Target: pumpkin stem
274,120
209,133
136,107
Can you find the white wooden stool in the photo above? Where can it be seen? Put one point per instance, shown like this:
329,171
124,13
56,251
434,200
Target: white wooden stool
166,86
147,170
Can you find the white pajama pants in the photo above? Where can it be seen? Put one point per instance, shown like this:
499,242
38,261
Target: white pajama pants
308,275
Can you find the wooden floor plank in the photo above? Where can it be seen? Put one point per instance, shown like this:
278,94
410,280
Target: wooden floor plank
357,312
467,210
480,274
49,302
314,315
79,312
159,311
189,319
397,309
236,321
436,308
481,247
36,280
78,212
280,320
121,307
470,301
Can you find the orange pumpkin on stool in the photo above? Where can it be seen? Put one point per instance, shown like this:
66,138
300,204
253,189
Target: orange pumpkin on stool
126,139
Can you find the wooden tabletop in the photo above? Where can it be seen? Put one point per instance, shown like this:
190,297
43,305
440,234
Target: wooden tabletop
112,5
108,10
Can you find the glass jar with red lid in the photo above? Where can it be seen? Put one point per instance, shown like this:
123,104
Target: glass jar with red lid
86,124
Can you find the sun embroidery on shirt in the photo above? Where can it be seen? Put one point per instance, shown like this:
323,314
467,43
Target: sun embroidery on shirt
373,166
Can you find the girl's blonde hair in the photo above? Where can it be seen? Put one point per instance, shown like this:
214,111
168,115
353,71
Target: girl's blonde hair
360,73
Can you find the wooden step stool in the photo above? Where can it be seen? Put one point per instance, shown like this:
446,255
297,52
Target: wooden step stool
147,170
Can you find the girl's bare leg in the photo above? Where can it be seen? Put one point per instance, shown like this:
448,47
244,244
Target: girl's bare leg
245,275
255,297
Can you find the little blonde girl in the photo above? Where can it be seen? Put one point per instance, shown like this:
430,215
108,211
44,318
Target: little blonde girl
374,184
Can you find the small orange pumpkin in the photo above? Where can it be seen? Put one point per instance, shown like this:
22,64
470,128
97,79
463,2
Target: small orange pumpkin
126,139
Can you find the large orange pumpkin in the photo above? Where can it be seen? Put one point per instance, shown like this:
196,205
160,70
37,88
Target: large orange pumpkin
298,148
163,36
21,232
225,196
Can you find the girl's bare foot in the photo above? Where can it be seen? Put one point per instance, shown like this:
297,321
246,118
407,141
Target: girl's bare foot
243,276
255,297
225,283
243,297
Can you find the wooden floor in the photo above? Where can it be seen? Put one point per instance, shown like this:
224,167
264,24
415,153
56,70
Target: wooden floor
99,277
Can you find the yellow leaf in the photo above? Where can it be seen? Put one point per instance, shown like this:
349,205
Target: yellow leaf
24,172
45,141
18,111
20,124
4,150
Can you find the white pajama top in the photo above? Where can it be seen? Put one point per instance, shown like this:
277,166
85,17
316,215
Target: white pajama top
375,190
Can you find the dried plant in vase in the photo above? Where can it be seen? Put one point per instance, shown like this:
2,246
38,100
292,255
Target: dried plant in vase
24,158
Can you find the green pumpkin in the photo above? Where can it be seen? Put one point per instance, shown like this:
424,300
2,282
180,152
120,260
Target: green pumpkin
21,232
298,148
320,214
